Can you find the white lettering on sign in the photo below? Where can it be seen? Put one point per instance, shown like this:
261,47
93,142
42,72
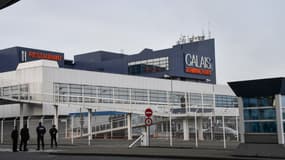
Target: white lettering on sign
194,60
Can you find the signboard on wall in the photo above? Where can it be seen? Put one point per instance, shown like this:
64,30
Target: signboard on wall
196,64
27,55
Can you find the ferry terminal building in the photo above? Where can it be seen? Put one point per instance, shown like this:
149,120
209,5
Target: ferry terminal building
179,81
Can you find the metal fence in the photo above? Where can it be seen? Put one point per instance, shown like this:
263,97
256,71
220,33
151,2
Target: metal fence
74,130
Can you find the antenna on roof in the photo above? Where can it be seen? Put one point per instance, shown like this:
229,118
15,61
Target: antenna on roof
209,31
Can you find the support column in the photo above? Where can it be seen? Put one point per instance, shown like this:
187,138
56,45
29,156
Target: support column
196,130
28,122
170,130
200,129
55,117
186,129
129,117
89,126
224,132
15,122
237,128
72,124
42,120
241,121
111,127
21,115
211,125
279,119
2,131
66,128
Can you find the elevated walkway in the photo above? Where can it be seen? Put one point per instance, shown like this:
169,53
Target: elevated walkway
111,103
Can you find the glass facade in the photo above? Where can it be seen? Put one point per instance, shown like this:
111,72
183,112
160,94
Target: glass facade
257,101
259,115
102,94
15,91
226,101
260,127
148,66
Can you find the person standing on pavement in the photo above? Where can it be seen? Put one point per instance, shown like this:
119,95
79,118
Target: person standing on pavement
25,136
53,132
41,130
14,136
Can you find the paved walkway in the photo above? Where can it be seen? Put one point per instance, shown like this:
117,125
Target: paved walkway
157,150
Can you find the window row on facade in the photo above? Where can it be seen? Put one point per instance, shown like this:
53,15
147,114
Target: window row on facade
91,94
257,101
148,66
15,91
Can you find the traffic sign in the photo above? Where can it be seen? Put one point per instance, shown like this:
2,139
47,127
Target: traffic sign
148,112
148,121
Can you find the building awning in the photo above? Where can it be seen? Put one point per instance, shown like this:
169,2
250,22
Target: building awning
6,3
259,87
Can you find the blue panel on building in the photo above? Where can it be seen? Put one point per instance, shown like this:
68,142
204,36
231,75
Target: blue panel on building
98,113
193,61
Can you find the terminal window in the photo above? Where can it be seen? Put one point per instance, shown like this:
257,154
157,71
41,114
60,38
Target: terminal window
226,101
259,114
148,66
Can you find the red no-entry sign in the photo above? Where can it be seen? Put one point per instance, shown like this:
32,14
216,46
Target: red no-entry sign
148,121
148,112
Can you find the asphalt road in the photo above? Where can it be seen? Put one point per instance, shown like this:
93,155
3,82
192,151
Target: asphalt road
46,156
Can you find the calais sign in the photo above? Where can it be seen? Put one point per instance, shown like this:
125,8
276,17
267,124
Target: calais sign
196,64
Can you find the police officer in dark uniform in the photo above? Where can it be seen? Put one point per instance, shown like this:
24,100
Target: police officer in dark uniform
25,136
41,130
53,132
14,136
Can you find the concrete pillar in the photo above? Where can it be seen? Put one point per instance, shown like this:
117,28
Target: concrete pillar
66,128
111,127
15,122
186,129
241,121
55,117
28,122
237,129
211,129
170,130
129,117
21,115
279,119
2,131
162,127
224,132
196,135
42,120
72,124
89,126
200,128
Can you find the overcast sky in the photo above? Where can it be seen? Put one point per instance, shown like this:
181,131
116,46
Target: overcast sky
249,34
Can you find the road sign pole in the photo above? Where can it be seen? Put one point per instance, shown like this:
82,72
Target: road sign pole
147,136
148,123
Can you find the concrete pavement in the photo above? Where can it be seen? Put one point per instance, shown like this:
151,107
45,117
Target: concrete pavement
158,149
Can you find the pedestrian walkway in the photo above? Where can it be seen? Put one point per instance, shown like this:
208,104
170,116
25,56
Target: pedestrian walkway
159,150
31,150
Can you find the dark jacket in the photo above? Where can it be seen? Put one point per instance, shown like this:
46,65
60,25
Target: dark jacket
52,131
25,134
15,134
41,130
